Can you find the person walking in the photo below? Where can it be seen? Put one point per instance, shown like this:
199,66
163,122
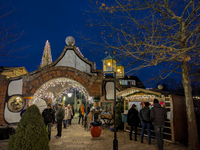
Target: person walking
133,120
81,113
72,108
65,118
158,115
145,120
49,118
60,114
68,114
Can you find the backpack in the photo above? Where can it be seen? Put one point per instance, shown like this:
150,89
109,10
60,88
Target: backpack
47,115
146,115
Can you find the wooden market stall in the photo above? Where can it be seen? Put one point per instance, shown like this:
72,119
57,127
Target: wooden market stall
175,128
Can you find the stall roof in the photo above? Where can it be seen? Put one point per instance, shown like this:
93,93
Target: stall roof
135,89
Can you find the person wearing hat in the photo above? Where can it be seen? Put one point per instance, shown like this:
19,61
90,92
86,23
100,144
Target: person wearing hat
60,114
133,120
49,118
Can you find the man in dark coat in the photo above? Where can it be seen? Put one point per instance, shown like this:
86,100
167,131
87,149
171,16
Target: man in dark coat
133,120
157,117
145,118
49,118
60,114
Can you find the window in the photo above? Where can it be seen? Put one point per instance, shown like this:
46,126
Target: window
127,82
123,82
16,103
131,82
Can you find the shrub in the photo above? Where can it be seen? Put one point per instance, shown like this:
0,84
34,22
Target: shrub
30,132
119,111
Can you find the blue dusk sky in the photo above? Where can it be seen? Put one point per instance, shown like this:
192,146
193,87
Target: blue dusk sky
53,20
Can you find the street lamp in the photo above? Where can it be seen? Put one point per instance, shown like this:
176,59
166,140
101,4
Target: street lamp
109,66
69,94
120,71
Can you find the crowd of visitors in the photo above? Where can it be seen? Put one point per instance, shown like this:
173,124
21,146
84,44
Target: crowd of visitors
155,116
63,114
147,117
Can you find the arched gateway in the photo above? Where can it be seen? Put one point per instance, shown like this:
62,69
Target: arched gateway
69,71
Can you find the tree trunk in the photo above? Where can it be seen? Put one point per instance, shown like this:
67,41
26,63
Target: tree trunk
193,142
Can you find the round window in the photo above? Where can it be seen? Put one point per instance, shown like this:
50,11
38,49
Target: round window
16,103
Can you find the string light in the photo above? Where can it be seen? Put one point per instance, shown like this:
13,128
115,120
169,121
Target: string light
142,97
46,57
42,92
196,97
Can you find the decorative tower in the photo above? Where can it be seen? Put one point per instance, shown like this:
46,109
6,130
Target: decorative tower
46,57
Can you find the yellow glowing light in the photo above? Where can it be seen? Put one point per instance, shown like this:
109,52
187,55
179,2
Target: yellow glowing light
109,64
118,70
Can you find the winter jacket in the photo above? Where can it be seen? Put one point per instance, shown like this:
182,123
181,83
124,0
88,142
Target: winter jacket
158,115
60,114
145,114
81,111
68,113
48,115
133,118
73,112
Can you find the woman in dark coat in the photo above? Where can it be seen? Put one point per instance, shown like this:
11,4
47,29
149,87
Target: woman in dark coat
133,120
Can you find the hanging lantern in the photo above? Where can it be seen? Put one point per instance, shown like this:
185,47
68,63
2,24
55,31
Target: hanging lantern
69,94
120,71
109,64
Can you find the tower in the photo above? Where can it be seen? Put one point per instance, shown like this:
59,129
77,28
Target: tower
46,57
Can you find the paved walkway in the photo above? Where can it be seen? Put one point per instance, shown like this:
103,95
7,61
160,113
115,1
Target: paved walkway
76,137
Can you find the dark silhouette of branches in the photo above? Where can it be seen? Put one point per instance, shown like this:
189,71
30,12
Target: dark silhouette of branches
152,32
7,35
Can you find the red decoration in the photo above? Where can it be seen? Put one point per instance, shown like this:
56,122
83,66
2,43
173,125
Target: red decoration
95,131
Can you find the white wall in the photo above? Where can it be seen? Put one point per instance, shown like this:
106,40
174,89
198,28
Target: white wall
15,87
40,103
110,90
11,117
70,59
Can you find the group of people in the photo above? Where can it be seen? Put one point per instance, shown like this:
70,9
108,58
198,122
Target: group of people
64,115
155,116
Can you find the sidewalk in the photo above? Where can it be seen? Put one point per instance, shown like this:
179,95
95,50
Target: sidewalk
76,137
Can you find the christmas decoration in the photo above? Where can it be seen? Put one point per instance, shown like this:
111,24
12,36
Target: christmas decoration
46,57
69,84
133,95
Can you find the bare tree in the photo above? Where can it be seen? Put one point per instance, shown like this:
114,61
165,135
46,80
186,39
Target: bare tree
150,32
7,36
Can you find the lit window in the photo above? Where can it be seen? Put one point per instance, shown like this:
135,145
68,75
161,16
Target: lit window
131,82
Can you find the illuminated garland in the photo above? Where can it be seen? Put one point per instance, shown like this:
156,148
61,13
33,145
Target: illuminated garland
42,94
149,94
